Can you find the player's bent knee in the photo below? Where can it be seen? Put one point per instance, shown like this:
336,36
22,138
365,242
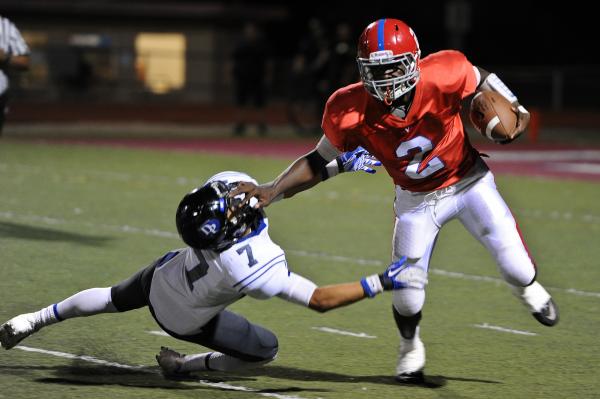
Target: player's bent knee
270,350
408,301
265,347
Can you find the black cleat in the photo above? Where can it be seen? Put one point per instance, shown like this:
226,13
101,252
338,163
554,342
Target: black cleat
548,315
416,377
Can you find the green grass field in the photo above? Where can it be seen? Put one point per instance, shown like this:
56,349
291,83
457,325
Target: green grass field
76,217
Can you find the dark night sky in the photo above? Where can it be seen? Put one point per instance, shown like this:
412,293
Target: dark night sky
508,32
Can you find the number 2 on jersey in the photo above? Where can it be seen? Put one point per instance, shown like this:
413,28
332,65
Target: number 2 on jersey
424,145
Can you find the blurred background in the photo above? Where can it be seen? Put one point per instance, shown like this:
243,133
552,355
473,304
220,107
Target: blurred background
267,67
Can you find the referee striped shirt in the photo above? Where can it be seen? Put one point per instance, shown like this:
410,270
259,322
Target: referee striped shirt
12,43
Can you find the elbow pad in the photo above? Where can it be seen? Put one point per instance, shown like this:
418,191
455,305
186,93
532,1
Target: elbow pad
317,164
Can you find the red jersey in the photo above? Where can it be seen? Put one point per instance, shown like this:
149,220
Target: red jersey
428,149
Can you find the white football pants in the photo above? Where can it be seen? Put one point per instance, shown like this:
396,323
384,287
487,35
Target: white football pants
483,212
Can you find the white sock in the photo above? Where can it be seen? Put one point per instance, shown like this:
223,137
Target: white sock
196,362
533,296
45,316
408,344
216,361
84,303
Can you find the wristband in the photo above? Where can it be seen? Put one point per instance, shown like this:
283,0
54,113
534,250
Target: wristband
371,285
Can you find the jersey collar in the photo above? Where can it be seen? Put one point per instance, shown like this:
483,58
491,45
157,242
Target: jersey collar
412,111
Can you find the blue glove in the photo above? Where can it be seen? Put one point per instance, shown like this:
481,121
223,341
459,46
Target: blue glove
358,159
401,275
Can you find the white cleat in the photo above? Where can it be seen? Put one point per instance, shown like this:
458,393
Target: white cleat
539,302
17,329
170,361
411,361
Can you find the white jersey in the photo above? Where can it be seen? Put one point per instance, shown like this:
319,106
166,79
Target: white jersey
12,43
194,286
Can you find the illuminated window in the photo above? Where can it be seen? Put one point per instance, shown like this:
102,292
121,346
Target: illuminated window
160,61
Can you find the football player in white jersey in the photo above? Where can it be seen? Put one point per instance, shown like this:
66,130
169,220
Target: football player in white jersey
229,255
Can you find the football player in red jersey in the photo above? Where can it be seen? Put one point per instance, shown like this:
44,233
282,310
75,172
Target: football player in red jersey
405,112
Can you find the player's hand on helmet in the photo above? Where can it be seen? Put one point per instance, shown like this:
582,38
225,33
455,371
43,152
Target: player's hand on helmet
401,275
264,193
358,159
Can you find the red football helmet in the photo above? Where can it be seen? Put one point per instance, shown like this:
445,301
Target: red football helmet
388,59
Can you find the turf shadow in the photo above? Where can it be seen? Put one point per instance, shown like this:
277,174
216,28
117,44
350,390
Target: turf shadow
78,374
27,232
292,373
99,375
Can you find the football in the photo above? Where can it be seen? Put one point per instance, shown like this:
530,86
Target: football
492,116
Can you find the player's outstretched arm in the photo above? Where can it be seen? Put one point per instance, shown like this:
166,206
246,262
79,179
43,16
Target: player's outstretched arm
297,177
398,275
306,172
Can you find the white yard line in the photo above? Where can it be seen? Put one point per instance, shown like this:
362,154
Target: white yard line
89,359
503,329
324,329
330,257
95,360
589,168
544,156
107,175
342,332
336,258
159,333
464,276
495,156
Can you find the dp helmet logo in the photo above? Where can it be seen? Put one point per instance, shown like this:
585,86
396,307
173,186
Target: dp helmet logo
210,227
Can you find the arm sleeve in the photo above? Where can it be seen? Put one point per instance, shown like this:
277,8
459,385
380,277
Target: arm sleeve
259,270
298,290
271,283
274,279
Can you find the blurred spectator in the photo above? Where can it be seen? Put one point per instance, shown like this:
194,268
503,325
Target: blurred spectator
342,63
14,55
250,59
309,86
457,21
82,78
